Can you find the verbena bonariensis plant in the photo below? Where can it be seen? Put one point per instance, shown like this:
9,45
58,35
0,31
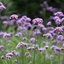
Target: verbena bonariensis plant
39,45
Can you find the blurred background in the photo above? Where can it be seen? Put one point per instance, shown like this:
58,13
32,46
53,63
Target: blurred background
33,8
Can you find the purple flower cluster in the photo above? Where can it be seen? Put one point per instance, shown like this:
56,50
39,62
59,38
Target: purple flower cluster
37,21
2,7
45,7
32,40
9,55
21,44
48,35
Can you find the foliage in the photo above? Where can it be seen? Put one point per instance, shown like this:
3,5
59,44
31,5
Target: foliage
32,8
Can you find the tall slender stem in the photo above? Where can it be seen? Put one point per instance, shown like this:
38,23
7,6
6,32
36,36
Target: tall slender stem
59,58
22,55
44,59
34,58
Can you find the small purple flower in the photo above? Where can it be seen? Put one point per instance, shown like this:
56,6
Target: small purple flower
50,9
17,54
45,3
28,19
2,57
45,43
1,47
52,33
20,44
5,23
18,34
53,47
62,27
40,25
48,35
58,21
11,22
24,38
19,21
46,46
58,49
32,40
14,16
31,48
37,21
35,32
28,54
56,52
50,28
25,18
55,17
24,29
9,55
27,24
4,17
59,13
54,42
41,49
58,29
60,37
44,29
49,23
16,61
62,20
6,35
2,7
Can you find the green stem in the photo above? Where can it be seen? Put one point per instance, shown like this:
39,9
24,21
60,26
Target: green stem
5,62
44,59
51,61
22,55
63,58
34,58
59,58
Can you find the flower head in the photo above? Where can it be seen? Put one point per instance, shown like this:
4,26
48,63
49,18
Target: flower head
2,7
59,13
58,29
37,21
32,40
20,44
14,16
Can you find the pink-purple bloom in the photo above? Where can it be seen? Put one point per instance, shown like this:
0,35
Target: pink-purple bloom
48,35
2,7
32,40
14,16
9,55
59,13
21,44
37,21
58,29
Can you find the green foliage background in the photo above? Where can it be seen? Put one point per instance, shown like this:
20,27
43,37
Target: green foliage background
30,8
